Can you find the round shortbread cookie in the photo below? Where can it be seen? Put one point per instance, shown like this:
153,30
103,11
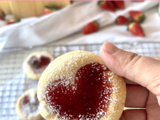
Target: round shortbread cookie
78,85
27,106
35,64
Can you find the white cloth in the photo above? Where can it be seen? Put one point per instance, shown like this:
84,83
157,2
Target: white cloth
70,20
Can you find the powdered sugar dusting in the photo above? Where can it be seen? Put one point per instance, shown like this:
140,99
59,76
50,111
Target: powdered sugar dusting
29,104
65,68
91,93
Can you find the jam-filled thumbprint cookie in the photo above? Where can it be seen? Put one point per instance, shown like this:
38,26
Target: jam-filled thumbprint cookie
79,86
35,64
27,106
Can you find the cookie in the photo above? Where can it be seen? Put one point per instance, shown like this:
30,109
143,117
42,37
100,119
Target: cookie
35,64
78,85
27,106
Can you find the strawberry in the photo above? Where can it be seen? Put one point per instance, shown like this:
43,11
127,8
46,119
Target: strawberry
2,15
119,4
121,20
49,9
137,16
136,29
90,28
107,5
11,21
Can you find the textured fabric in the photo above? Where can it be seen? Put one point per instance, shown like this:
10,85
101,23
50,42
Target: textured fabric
71,20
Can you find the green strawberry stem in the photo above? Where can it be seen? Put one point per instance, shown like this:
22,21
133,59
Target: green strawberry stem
99,2
141,18
51,7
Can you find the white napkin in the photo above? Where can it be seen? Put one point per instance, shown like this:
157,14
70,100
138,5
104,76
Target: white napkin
72,19
115,33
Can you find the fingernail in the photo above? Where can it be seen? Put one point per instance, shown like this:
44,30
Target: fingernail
158,98
109,48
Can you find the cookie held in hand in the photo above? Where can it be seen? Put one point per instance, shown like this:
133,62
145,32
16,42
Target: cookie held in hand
78,85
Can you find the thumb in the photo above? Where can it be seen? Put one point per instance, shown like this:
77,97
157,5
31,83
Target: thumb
140,69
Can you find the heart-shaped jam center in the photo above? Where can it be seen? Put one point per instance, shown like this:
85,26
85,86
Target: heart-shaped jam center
29,104
39,64
89,97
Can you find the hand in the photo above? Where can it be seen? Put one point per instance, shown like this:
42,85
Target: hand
143,89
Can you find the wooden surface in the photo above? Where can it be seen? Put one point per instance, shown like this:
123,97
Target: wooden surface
23,9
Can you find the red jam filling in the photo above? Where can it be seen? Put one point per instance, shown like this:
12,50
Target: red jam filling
29,105
88,98
38,65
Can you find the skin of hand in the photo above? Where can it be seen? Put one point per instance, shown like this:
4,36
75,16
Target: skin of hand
143,84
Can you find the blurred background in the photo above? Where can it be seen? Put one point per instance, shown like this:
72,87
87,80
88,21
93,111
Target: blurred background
23,9
59,27
63,22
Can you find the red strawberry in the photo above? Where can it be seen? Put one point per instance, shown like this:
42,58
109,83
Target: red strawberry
121,20
8,23
49,9
119,4
107,5
137,16
2,15
90,28
136,29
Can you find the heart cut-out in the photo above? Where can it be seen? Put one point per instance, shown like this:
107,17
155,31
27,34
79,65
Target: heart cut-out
39,64
89,97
